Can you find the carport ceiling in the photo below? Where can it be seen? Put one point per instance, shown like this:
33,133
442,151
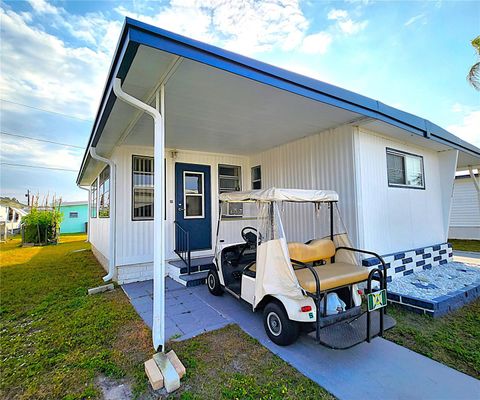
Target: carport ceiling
208,109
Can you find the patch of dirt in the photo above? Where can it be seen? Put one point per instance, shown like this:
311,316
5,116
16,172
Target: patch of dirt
113,389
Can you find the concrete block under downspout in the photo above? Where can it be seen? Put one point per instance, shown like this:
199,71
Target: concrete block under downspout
112,213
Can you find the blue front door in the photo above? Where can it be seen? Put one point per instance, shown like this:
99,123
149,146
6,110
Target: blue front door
193,204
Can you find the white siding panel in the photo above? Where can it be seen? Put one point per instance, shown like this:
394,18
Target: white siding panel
397,219
100,234
322,161
465,214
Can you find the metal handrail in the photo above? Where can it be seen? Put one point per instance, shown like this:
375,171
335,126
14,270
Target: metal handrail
182,245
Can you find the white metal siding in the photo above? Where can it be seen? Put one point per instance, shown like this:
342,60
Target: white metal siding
321,161
465,214
134,238
100,234
397,219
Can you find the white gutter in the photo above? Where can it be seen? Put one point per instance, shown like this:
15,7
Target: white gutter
112,213
158,331
88,208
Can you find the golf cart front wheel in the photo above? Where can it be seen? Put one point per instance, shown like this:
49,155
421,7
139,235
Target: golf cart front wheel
213,283
280,329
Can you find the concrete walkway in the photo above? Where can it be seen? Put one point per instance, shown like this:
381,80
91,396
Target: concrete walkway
469,257
379,370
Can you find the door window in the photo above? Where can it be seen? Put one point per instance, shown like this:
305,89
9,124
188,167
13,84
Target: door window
193,192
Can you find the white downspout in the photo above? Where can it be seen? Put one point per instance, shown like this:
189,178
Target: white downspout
158,331
112,213
88,208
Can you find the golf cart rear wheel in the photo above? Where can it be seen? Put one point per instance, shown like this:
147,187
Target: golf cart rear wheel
213,283
280,329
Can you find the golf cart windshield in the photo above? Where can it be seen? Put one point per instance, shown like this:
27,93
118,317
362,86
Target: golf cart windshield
278,217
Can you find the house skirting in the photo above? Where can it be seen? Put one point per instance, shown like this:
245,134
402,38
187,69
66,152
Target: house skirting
409,261
134,273
100,257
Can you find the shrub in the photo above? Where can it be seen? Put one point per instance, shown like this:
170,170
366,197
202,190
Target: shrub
42,225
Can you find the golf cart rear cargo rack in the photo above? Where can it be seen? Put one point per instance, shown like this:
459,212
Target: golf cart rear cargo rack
351,327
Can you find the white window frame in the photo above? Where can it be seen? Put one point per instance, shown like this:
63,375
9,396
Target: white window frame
185,194
94,198
134,218
240,185
101,184
259,180
405,155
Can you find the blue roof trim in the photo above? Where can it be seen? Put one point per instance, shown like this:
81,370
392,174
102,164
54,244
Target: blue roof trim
135,33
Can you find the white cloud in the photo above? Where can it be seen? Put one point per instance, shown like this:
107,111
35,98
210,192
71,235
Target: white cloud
245,27
461,108
24,151
345,23
43,7
40,69
316,43
414,19
337,14
468,129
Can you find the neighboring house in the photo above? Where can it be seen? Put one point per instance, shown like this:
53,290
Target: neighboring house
12,217
230,123
465,214
75,217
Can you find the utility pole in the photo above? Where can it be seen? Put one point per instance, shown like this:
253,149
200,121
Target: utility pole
27,195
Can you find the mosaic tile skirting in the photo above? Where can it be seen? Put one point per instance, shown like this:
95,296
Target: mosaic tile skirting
438,306
410,261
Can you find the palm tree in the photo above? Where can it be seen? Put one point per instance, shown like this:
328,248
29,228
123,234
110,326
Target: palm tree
473,76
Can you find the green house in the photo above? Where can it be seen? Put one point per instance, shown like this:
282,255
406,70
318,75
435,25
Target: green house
75,217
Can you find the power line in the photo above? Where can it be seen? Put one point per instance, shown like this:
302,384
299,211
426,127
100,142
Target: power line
41,140
44,110
38,166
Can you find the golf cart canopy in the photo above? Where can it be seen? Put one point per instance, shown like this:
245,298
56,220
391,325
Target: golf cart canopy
275,194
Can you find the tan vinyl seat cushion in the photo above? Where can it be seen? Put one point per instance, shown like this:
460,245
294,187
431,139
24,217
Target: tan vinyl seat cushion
316,250
331,276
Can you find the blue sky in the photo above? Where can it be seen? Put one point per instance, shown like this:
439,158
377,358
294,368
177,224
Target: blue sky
55,57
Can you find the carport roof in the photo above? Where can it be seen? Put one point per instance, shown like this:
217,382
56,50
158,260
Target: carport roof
137,34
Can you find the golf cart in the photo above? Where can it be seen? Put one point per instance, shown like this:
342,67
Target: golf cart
286,251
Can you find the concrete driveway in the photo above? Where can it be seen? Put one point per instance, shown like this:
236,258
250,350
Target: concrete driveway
379,370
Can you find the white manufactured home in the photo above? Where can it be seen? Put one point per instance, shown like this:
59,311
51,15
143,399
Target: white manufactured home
465,214
181,121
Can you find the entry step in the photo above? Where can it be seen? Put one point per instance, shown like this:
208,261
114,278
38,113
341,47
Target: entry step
194,279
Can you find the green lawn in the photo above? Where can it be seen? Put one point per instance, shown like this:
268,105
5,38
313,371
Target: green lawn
465,245
453,340
55,339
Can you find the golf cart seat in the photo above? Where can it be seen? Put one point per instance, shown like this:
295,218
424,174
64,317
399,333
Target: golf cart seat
331,275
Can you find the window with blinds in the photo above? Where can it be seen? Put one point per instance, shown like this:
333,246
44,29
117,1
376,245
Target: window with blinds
405,170
142,188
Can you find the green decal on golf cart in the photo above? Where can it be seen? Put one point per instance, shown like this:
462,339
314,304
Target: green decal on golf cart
377,300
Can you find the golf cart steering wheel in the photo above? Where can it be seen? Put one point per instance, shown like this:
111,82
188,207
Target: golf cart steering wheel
249,234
